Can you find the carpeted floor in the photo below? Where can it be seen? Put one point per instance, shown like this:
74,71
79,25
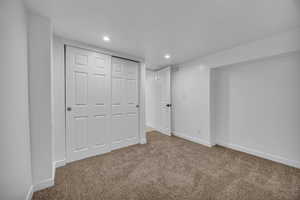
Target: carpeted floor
173,168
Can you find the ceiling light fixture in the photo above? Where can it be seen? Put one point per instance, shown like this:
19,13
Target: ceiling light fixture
106,38
167,56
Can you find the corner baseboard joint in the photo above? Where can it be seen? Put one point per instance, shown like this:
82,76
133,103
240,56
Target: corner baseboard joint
29,193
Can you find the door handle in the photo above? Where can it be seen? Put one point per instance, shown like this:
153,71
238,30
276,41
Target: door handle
69,109
169,105
137,106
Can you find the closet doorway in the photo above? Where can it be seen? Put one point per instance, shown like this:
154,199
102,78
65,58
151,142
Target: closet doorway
102,103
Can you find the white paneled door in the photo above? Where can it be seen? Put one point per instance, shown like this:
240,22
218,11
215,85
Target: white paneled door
164,78
102,103
88,103
124,116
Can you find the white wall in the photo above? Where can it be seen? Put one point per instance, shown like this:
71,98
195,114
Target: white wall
58,91
149,97
152,100
40,44
191,103
257,107
15,173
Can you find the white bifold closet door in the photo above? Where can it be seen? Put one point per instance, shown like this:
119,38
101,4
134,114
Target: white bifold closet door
124,118
101,100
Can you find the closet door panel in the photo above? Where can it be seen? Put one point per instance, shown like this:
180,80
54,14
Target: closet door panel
88,101
125,103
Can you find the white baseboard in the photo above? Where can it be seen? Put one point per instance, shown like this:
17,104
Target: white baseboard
148,126
164,132
158,129
268,156
46,183
124,143
192,139
43,184
29,193
60,163
143,141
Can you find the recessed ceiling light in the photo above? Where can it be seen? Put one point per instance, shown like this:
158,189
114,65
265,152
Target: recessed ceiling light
106,38
167,56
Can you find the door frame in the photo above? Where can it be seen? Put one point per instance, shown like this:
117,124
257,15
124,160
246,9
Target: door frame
141,90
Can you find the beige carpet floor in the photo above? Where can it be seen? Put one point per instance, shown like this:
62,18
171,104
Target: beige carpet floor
172,168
